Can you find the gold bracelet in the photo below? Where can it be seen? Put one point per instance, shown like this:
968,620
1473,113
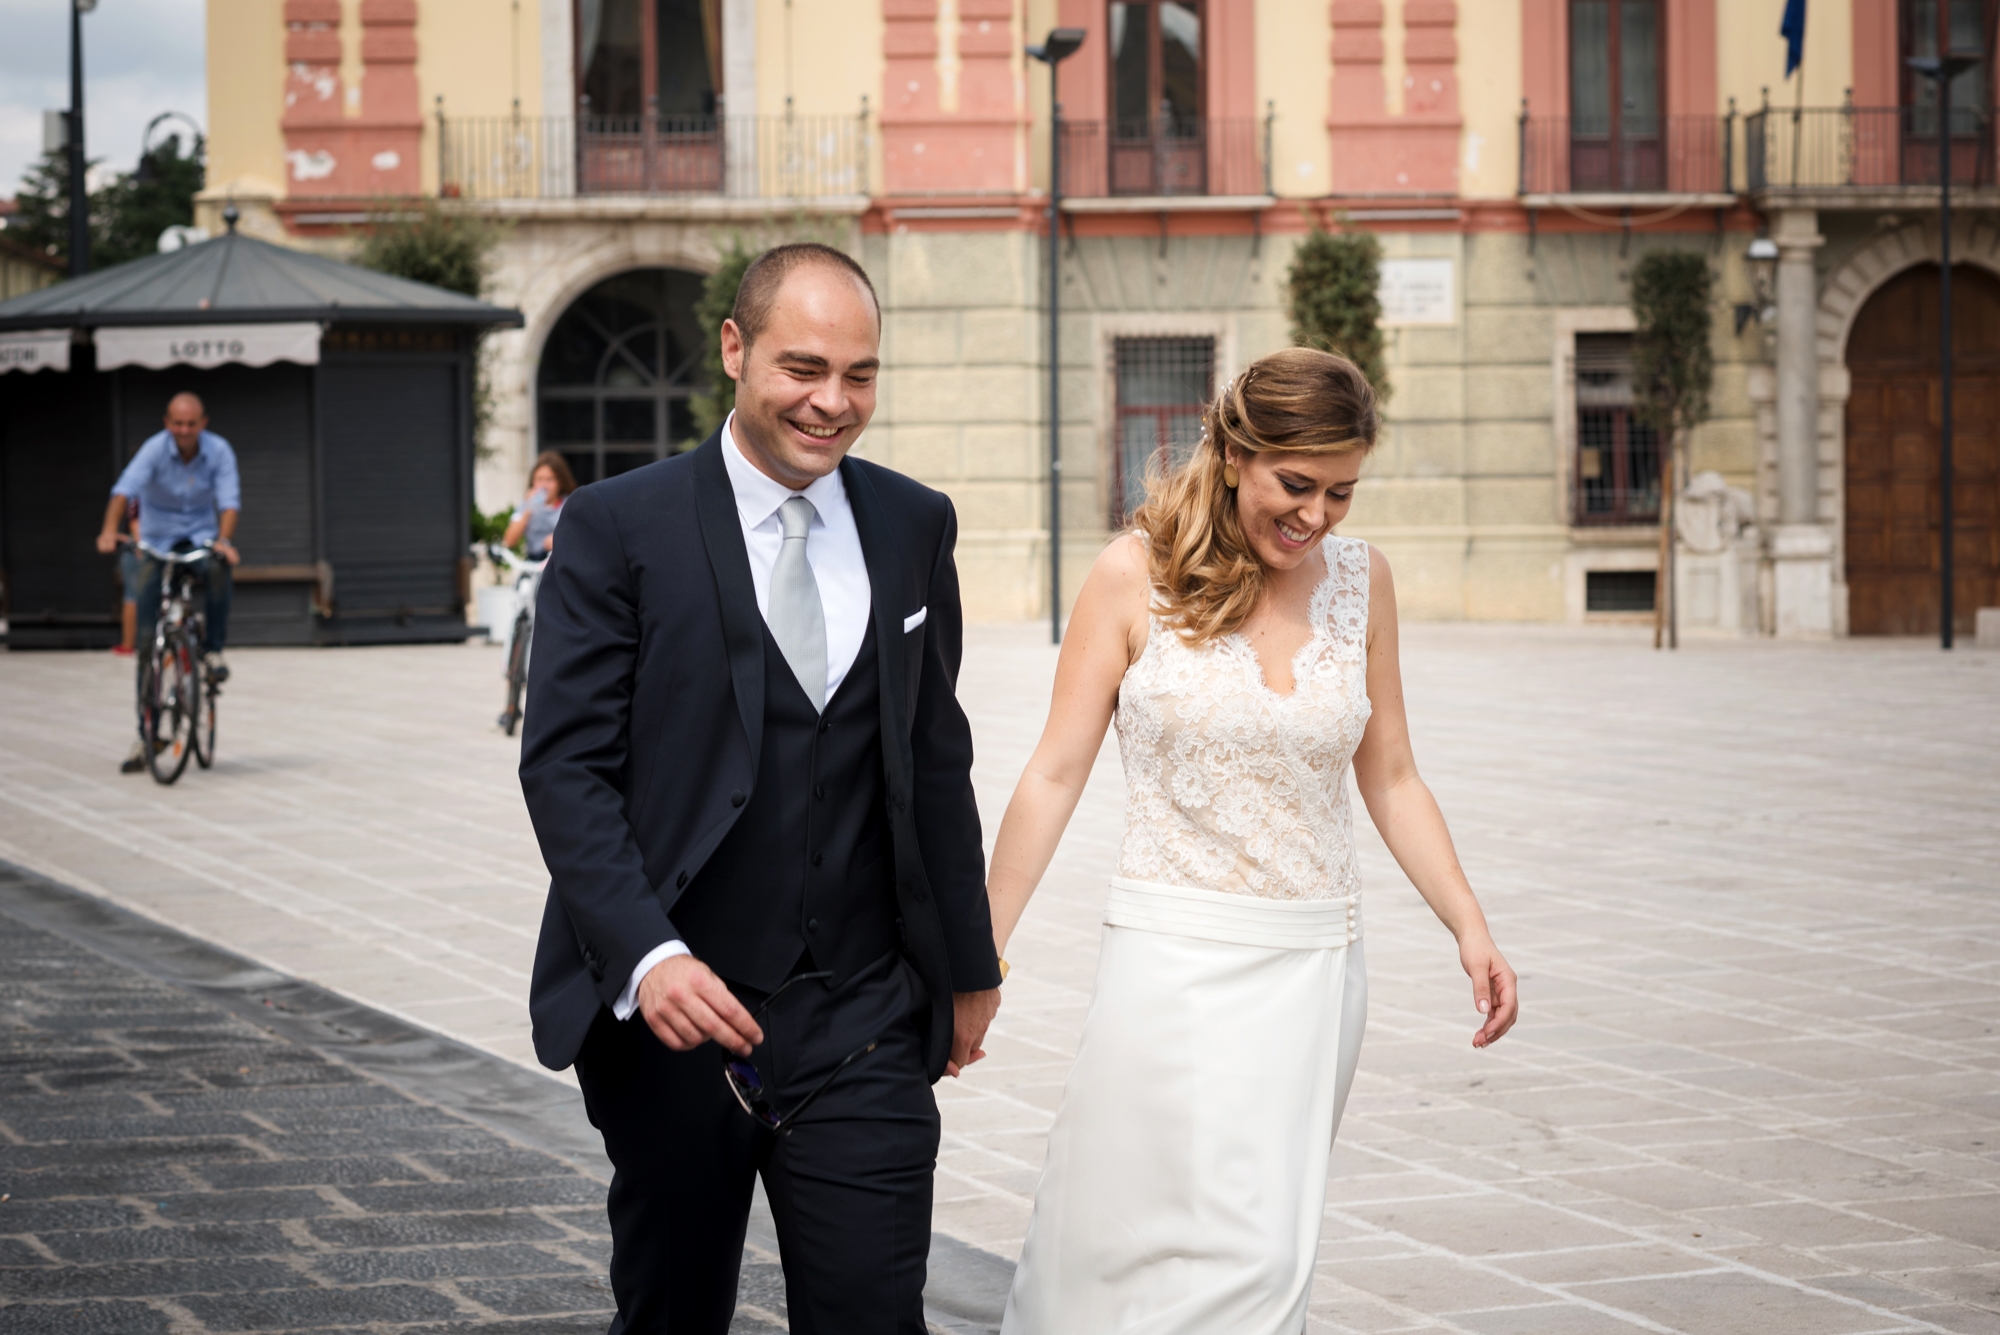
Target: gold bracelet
1003,969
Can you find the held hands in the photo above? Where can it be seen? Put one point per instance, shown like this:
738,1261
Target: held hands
227,550
971,1013
1494,990
685,1005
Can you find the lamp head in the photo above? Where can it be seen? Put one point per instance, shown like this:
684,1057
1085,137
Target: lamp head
1058,46
1941,69
1762,248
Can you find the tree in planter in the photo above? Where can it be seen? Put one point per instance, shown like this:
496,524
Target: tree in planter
712,406
1673,368
1332,295
446,249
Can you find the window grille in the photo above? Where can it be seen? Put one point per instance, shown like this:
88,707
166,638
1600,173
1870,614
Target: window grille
1618,590
1617,456
1164,385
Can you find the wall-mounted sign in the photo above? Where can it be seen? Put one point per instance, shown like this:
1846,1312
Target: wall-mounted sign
208,345
35,350
1419,292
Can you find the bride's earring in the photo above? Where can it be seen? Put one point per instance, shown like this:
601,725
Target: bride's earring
1229,477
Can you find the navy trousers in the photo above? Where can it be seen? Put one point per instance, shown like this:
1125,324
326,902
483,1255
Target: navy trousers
849,1183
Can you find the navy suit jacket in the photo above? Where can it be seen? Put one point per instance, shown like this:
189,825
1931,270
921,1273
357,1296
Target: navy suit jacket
645,720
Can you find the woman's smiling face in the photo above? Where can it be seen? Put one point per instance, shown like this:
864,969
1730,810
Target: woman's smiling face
1287,502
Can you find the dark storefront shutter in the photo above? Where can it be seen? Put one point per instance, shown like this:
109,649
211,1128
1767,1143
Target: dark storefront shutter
55,433
395,526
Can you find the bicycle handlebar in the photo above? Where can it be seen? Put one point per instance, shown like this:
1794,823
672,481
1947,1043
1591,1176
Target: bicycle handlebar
505,556
188,558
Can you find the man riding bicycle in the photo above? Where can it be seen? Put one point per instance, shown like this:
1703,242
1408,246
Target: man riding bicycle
185,481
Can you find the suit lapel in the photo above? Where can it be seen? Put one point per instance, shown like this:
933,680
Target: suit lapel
742,627
884,583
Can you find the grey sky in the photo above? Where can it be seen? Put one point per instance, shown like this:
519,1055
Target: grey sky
140,57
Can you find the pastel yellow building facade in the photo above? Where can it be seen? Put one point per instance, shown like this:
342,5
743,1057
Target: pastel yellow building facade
1514,157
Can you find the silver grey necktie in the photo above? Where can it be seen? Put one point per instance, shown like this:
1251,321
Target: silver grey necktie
797,618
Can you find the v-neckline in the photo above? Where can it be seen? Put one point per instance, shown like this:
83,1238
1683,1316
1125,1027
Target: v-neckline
1242,641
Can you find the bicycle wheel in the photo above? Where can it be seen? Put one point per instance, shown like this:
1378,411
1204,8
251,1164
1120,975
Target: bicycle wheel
204,724
517,672
169,709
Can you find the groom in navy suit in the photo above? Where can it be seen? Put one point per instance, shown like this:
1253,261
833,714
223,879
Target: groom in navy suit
766,932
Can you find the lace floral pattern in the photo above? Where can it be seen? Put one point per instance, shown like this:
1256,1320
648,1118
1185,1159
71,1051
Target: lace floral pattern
1230,785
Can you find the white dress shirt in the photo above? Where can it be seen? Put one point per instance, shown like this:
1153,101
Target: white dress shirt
833,549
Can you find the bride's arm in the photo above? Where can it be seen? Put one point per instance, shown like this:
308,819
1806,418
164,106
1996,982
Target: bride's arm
1404,811
1106,632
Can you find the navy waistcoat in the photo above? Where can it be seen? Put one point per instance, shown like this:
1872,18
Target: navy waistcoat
808,865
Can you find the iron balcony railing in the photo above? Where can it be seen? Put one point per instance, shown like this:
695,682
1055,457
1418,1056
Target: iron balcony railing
1166,156
1633,155
1863,148
561,157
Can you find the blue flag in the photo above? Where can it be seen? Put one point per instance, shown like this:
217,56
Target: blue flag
1793,30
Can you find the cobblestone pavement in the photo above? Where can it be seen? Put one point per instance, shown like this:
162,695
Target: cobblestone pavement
1750,888
170,1168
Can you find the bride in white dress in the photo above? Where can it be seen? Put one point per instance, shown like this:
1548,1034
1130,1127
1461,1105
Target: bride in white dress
1247,655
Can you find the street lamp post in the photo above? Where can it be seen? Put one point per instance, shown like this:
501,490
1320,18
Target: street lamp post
1941,71
1060,44
79,198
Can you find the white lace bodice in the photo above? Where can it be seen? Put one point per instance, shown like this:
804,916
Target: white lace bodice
1233,787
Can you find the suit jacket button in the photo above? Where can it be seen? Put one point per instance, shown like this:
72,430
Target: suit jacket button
736,798
818,858
812,924
819,791
680,882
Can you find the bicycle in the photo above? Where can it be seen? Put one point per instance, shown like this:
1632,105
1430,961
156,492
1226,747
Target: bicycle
521,634
177,696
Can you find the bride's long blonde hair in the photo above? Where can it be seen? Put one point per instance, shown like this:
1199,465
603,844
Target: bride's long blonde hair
1298,401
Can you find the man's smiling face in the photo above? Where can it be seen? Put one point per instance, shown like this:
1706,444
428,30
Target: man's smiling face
806,388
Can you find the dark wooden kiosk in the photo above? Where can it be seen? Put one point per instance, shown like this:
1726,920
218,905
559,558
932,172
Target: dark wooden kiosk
347,395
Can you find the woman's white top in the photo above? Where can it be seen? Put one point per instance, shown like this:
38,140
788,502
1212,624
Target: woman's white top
1232,786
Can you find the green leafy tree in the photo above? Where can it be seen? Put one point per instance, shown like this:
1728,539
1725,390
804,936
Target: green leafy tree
129,213
712,406
1673,370
42,204
1331,293
444,248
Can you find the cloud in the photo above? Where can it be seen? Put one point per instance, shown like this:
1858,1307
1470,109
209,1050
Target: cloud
140,57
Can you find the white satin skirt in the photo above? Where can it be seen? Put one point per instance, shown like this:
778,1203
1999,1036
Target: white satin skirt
1186,1172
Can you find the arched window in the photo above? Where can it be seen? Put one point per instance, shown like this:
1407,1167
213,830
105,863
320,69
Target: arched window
618,371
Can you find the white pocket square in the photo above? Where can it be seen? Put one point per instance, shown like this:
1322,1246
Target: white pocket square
915,619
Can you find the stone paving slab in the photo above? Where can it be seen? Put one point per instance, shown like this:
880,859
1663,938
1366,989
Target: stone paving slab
1750,887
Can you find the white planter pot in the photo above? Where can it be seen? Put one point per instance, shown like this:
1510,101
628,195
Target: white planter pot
496,611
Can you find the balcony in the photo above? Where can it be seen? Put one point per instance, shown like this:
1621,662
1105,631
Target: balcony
1862,157
1167,158
737,157
1686,158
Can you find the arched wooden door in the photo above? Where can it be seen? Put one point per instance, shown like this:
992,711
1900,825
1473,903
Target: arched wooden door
1892,453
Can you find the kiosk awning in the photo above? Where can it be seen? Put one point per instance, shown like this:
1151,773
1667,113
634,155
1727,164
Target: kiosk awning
207,345
35,350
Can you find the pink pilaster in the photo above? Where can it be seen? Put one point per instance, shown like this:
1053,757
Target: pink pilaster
1416,150
372,153
946,131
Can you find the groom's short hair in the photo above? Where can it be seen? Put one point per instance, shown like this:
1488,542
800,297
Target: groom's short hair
758,291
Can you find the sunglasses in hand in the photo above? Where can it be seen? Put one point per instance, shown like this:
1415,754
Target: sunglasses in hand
748,1086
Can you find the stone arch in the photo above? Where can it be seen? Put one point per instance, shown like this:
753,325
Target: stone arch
1848,288
1842,294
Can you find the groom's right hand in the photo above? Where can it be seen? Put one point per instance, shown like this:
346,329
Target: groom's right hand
685,1005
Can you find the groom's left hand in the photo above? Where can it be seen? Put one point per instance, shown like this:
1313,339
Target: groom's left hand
971,1013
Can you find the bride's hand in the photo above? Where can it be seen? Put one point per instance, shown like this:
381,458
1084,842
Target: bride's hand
1494,990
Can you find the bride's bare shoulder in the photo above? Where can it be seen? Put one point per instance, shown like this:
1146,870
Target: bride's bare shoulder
1118,592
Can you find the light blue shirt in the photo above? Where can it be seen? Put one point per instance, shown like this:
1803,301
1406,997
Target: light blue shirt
181,499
